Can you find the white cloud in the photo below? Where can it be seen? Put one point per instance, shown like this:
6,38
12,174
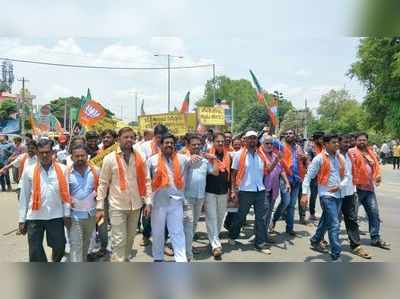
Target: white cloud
303,73
112,87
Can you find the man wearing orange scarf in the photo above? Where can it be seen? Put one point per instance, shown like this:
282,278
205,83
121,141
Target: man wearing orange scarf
217,191
44,205
167,170
249,166
150,148
330,170
312,151
124,178
294,162
367,175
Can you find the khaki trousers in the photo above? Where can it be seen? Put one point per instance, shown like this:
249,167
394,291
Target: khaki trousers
123,230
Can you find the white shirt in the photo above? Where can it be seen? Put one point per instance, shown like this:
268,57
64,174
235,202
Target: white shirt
385,148
146,149
254,173
29,162
51,204
348,188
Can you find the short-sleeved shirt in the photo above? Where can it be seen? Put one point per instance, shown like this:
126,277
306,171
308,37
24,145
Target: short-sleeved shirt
6,150
218,184
254,173
195,179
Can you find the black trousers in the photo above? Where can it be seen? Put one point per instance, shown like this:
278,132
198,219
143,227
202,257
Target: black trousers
349,210
313,195
396,162
5,179
55,237
302,211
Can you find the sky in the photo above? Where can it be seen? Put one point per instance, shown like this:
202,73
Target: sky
300,48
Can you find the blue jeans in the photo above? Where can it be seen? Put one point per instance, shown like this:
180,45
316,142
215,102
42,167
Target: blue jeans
331,207
288,201
368,200
246,200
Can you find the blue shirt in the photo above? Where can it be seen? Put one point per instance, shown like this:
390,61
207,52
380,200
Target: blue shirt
6,150
80,187
254,173
195,179
295,166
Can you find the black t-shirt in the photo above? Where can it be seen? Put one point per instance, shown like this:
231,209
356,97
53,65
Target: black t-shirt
218,184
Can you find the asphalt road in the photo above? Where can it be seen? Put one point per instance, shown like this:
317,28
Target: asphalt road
13,248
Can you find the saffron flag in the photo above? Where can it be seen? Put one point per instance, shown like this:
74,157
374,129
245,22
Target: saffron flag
273,111
91,113
185,104
259,90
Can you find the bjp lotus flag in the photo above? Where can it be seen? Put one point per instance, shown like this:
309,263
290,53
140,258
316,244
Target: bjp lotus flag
91,113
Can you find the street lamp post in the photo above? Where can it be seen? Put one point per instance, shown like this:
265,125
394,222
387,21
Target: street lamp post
169,56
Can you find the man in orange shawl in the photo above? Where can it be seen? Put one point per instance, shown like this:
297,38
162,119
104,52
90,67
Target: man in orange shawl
167,169
44,204
249,166
124,179
149,148
312,151
294,163
329,169
366,176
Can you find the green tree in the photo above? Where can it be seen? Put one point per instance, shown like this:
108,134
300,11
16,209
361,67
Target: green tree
339,112
6,108
57,107
378,69
247,112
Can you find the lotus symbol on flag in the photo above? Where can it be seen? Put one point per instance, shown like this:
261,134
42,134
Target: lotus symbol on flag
91,113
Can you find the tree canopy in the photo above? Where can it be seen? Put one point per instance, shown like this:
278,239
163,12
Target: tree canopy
247,112
378,69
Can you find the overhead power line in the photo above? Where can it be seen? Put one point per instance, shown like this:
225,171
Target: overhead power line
105,67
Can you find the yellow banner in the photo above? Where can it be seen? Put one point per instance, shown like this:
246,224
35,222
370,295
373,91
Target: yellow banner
174,121
191,122
211,116
105,123
98,160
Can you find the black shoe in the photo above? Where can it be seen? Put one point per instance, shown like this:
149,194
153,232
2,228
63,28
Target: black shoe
381,244
318,246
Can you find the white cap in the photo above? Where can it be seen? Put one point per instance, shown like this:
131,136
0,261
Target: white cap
251,133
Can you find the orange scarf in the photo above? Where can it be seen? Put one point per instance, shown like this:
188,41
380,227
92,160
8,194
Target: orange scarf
62,182
287,161
318,148
22,165
161,179
228,148
242,164
325,169
225,164
359,170
154,148
141,173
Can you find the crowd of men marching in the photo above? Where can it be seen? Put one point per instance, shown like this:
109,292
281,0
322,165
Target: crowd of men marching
160,185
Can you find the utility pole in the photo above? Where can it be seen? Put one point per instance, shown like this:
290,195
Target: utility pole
214,91
169,56
306,120
21,108
65,114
